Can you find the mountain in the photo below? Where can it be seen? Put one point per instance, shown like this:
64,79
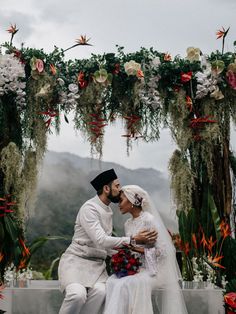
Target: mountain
64,186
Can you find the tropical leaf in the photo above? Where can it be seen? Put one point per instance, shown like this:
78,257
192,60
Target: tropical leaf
1,233
39,242
48,273
231,286
229,261
182,226
215,215
11,228
232,160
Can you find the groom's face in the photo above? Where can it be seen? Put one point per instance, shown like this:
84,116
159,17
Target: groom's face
114,194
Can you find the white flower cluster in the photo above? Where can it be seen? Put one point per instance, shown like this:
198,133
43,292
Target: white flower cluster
11,274
12,75
198,277
149,94
211,276
206,84
69,98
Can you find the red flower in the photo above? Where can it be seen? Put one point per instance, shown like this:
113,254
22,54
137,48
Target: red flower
124,263
82,82
186,77
117,69
230,299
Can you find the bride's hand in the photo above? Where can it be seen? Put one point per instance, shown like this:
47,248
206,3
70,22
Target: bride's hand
146,237
134,248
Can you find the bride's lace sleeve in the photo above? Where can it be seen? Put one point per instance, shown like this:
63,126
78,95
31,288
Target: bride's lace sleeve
154,256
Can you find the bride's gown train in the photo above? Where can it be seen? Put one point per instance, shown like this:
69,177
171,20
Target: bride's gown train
132,294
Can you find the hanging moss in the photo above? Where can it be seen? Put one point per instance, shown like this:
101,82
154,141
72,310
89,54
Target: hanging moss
11,165
182,181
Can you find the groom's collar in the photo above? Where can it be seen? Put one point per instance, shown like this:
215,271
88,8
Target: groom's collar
99,202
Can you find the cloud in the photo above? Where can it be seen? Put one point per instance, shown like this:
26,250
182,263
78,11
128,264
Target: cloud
24,21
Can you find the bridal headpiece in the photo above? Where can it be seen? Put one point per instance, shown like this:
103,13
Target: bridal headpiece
136,195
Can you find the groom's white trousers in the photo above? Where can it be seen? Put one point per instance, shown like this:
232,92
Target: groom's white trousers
80,301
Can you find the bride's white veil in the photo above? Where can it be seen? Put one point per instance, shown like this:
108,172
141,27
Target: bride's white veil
172,301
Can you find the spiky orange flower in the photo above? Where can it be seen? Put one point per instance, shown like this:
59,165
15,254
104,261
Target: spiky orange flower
12,29
214,260
203,240
167,57
140,73
26,251
210,244
186,248
83,40
194,240
225,229
53,69
221,33
189,103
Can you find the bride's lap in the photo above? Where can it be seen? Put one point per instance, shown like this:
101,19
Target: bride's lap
141,278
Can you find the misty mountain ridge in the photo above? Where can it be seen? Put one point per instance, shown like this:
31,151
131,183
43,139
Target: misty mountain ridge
63,170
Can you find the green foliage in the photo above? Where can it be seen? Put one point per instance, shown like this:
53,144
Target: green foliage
231,286
229,261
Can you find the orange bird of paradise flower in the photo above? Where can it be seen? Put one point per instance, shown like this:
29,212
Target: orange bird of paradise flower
1,256
203,240
12,29
214,261
194,240
53,69
210,244
225,229
167,57
82,41
222,33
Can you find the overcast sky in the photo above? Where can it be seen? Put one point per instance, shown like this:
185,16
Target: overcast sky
168,26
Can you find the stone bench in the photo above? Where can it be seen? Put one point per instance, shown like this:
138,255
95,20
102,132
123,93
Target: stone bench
44,297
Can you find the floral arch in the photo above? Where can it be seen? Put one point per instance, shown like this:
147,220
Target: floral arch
194,96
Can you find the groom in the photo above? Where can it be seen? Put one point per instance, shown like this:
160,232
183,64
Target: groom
82,269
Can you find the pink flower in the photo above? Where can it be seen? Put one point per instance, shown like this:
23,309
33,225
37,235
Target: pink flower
39,65
231,77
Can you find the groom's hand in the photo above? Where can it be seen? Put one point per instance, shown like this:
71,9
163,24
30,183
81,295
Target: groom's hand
146,237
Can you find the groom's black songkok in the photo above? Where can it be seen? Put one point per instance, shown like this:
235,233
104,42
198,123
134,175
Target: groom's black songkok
103,179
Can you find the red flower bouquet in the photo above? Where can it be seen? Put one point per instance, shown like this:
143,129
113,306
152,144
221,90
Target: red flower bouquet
124,263
230,302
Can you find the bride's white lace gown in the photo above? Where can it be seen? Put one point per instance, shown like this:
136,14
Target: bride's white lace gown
132,294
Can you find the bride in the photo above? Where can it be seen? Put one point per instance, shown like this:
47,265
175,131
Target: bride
159,270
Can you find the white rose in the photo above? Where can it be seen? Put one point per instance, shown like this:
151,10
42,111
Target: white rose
132,67
73,88
156,62
217,94
193,54
60,81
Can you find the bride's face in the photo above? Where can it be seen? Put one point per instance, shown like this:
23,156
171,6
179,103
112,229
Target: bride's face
124,204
